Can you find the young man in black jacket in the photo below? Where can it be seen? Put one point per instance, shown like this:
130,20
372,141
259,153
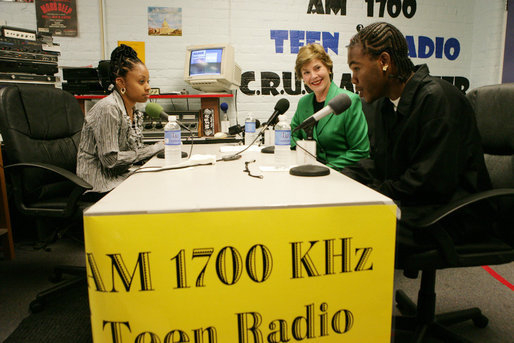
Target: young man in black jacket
426,149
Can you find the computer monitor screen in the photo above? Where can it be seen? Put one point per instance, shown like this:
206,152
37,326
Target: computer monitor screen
205,62
211,68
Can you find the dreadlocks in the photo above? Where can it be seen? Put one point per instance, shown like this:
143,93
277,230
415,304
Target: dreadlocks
123,59
379,37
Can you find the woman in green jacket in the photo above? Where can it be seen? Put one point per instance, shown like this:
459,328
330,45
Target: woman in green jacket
341,140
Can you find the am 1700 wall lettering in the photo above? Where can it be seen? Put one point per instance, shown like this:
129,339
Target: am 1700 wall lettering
394,7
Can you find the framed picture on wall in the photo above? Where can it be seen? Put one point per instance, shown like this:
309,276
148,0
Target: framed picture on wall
57,17
164,21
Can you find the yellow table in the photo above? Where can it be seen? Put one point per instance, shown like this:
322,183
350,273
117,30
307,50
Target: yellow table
210,254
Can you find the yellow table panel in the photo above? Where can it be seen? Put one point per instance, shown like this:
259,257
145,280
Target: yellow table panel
316,274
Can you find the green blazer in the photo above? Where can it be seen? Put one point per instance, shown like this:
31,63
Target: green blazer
341,140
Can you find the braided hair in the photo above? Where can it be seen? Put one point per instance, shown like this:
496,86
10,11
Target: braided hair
383,37
123,59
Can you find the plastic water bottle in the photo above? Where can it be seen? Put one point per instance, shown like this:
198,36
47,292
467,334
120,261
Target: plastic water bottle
172,142
269,136
250,129
282,142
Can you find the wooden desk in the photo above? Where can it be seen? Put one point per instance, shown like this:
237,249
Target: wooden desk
211,254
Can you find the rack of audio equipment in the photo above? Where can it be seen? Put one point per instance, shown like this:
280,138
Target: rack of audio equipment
27,57
193,119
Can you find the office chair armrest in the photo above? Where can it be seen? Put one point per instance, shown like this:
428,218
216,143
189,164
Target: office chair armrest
442,212
445,244
61,171
39,209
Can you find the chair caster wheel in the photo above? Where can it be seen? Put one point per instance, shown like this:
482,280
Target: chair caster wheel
481,321
36,306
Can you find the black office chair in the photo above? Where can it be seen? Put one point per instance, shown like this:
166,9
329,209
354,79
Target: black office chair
41,129
495,119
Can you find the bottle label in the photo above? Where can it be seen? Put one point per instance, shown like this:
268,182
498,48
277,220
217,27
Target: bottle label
172,137
282,137
250,126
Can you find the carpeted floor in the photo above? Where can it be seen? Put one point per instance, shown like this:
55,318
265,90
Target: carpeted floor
66,320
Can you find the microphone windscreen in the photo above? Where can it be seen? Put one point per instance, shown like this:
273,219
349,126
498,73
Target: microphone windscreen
104,74
340,103
104,68
224,106
153,109
234,130
282,106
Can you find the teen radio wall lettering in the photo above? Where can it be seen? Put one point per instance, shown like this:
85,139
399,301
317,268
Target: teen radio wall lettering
273,83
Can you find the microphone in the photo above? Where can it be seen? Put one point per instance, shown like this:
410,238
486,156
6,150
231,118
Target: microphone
155,111
280,108
337,105
235,129
224,107
104,75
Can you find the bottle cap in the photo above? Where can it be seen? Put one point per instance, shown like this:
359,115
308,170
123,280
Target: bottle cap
172,118
282,117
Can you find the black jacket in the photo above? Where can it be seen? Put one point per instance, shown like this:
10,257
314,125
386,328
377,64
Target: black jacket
428,152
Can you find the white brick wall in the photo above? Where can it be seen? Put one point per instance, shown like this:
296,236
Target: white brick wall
488,42
478,26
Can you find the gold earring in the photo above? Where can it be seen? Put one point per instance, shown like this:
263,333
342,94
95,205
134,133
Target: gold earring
123,90
384,68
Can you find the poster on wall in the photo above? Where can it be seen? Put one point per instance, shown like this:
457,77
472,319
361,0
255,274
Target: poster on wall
57,17
139,47
164,21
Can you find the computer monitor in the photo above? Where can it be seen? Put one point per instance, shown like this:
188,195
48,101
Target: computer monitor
211,68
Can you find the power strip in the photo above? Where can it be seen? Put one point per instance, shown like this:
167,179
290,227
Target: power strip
10,33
